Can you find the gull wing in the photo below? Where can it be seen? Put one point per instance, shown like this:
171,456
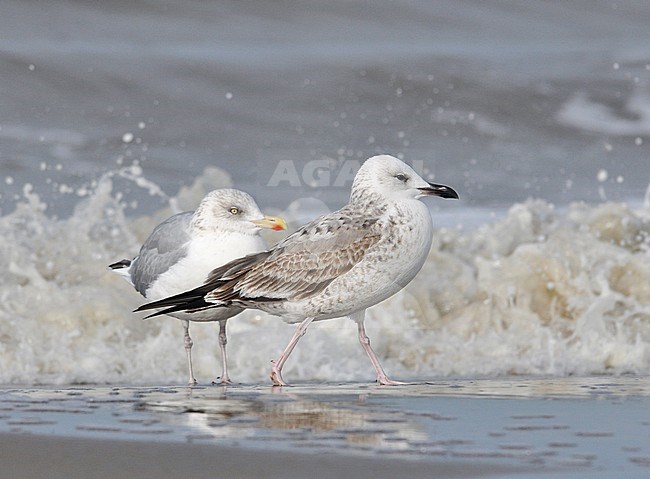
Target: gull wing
167,244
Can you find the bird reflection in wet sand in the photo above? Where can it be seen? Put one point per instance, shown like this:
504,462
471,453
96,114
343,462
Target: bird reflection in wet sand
348,422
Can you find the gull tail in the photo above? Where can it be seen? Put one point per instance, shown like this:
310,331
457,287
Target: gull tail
125,263
123,268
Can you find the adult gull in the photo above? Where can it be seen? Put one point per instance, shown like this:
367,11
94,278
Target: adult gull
182,250
340,264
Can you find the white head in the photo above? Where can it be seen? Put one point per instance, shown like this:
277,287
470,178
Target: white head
234,211
392,179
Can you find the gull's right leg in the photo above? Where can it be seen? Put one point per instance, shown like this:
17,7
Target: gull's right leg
364,340
223,340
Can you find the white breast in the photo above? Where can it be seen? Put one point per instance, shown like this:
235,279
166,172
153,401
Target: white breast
390,265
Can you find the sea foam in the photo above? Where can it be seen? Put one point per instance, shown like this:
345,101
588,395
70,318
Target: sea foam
537,292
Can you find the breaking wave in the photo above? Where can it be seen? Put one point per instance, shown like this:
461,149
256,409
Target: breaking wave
538,292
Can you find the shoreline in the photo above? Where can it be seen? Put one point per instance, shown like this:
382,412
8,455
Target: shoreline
520,427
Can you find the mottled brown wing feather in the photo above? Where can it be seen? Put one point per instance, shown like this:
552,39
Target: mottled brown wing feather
304,263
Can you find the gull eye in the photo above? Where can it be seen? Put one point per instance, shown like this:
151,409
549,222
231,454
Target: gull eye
401,177
234,210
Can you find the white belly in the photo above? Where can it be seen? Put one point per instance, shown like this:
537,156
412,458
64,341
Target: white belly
205,254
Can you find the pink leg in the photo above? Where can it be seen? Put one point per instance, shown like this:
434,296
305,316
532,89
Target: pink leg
188,349
223,340
382,377
276,370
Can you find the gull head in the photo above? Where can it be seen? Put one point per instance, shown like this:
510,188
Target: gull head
233,211
392,179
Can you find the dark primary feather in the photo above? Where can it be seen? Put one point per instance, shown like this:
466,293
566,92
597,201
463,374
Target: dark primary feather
298,267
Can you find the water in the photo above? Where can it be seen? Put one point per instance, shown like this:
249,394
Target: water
523,426
113,116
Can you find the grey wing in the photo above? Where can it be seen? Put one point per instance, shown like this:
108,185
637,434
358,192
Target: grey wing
166,245
305,262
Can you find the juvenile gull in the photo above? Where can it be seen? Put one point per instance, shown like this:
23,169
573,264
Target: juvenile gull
182,250
340,264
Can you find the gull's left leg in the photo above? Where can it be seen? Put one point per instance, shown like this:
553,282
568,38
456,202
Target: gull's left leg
276,370
382,377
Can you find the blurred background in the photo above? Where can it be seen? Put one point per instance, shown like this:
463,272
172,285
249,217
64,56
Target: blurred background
504,100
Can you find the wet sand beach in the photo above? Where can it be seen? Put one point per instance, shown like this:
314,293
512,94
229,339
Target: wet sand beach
31,457
514,427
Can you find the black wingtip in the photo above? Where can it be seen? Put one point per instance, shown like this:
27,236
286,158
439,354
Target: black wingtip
186,307
161,312
152,315
148,306
125,263
186,301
